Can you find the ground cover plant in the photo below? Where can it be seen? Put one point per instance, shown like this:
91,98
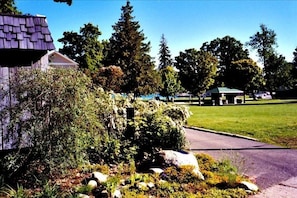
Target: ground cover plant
221,180
271,121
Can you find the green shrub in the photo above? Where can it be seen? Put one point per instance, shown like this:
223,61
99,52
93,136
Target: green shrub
71,122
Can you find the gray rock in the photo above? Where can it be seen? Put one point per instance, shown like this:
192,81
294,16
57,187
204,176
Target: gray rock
181,158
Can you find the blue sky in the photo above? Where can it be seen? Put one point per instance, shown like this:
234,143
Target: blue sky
185,23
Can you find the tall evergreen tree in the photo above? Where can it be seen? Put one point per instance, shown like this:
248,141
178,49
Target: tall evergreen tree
128,50
164,54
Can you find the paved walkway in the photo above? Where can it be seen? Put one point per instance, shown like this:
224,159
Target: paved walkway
273,168
285,189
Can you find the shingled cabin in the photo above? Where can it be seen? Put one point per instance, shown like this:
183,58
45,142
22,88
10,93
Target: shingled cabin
25,41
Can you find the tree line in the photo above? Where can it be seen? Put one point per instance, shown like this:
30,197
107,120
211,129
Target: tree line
123,63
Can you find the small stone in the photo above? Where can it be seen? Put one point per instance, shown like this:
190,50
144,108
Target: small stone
83,196
156,170
142,185
100,177
151,185
117,194
104,194
161,181
92,184
249,186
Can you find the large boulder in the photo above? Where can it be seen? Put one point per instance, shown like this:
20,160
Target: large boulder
180,158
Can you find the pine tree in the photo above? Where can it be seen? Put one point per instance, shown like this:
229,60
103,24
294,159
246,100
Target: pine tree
164,52
128,50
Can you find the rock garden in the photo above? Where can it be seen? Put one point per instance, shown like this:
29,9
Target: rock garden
77,140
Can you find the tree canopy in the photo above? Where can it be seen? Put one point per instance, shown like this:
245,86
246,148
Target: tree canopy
197,70
226,50
8,7
171,83
83,47
278,73
247,75
264,42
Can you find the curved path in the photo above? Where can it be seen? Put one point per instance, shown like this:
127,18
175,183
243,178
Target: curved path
269,165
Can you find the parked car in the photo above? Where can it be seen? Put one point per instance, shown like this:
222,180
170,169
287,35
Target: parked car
263,95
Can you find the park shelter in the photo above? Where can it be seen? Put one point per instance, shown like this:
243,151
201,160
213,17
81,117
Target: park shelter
224,95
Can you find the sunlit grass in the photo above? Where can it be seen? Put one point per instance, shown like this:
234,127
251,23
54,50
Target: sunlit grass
271,121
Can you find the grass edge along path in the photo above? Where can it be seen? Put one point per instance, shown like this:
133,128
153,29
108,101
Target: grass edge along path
271,121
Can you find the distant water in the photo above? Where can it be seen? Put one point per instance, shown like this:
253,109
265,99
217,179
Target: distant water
152,96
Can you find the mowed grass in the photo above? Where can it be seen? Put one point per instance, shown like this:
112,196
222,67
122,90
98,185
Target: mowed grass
271,121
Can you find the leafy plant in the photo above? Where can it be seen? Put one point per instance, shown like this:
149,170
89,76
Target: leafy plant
84,189
49,191
111,184
20,192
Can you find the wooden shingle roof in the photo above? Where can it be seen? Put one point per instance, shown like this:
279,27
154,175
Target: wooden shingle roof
24,39
25,32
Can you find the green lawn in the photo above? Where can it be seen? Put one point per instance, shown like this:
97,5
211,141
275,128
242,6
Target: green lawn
271,121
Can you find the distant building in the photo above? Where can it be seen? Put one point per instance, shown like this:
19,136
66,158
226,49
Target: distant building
224,95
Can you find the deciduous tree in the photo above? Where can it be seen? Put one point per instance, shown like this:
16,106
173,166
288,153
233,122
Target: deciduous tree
247,75
8,7
109,78
278,73
226,50
83,47
171,83
197,70
264,42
